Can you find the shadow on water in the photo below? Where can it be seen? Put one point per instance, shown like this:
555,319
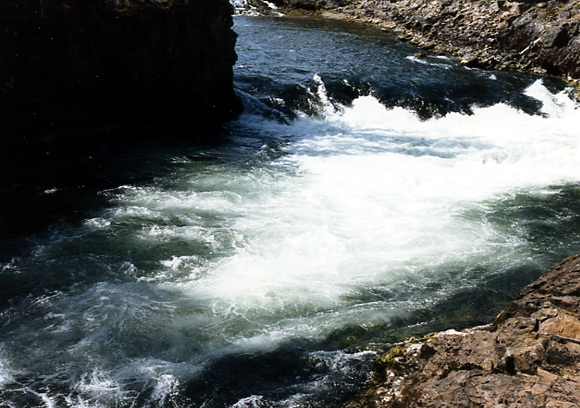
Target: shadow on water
274,378
46,187
42,183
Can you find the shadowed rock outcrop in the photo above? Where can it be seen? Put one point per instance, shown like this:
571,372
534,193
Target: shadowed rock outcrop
529,357
87,66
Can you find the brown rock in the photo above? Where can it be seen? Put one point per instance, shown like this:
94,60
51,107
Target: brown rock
566,326
529,357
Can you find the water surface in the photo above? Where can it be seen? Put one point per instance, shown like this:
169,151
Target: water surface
367,194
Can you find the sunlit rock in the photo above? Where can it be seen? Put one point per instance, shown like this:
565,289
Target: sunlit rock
529,357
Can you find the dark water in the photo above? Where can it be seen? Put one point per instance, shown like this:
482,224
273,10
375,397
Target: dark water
367,194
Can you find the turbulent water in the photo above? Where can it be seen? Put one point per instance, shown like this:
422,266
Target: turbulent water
368,193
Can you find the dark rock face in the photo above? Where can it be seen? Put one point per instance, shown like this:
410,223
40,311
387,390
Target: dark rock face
109,64
529,357
543,38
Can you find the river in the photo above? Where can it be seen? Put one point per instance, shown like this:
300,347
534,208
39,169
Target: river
368,193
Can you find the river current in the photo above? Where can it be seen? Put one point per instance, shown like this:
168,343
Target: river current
368,193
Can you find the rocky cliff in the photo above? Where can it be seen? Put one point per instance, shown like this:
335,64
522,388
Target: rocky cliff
107,65
526,35
529,357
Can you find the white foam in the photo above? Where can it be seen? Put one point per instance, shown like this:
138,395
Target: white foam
166,386
253,401
369,200
335,360
49,401
559,105
368,197
6,371
98,384
98,223
50,191
159,382
425,62
381,194
191,233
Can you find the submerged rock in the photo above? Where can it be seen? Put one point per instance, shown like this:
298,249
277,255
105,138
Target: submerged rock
101,65
529,357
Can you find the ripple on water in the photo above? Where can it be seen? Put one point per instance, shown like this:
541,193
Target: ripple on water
257,273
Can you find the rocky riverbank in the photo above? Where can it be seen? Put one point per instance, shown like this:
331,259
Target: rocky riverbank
529,357
71,68
531,36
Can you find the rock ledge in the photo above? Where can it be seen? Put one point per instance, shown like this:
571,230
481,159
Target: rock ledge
529,357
